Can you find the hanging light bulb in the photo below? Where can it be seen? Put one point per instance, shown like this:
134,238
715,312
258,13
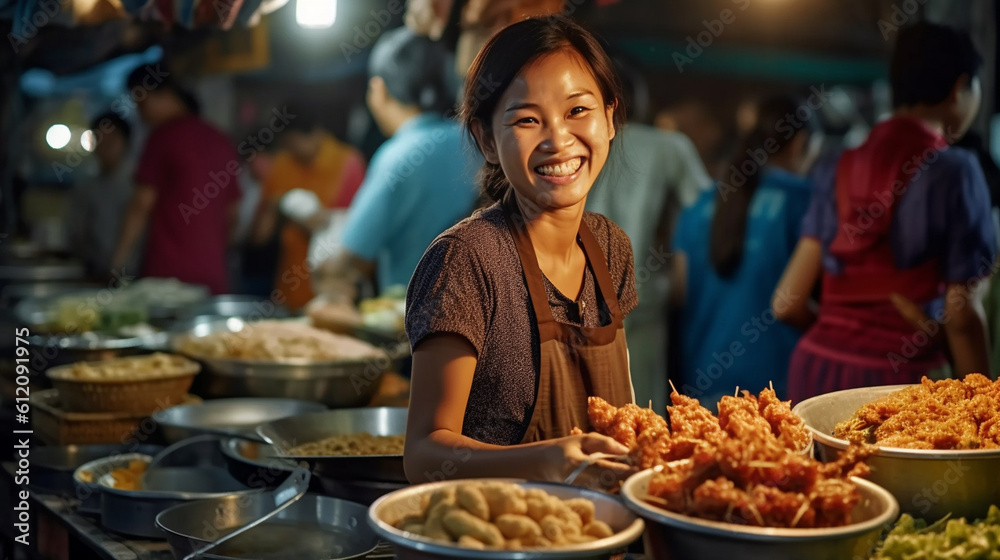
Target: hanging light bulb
57,136
315,13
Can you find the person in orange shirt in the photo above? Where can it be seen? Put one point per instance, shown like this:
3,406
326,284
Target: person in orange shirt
313,160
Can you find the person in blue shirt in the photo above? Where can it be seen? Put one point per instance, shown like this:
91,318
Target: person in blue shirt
420,181
731,247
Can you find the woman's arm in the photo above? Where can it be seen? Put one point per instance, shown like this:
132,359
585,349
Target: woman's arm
791,302
965,327
443,367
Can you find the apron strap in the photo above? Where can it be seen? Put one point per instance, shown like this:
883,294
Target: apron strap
529,262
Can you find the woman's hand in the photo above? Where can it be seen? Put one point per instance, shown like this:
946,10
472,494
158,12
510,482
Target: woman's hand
570,452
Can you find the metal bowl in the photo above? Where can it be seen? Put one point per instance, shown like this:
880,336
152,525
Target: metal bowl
390,508
927,483
89,492
227,416
312,527
672,535
52,467
287,433
337,384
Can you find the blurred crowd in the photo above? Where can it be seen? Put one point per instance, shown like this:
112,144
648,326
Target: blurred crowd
758,260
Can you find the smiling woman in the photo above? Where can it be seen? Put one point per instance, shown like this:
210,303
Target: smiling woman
515,315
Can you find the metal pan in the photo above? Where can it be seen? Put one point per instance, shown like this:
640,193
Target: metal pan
133,512
380,421
52,466
228,417
315,527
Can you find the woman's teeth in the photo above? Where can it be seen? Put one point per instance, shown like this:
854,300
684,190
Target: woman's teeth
563,169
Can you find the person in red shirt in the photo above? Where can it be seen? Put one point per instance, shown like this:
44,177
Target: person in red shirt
186,191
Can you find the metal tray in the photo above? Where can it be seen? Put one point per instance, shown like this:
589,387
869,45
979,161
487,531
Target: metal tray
381,421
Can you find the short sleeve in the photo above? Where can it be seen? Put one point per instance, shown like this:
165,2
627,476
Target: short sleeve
820,214
970,245
377,208
628,297
449,293
154,162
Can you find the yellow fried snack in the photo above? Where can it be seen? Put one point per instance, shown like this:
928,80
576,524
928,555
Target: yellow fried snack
553,529
583,507
471,542
515,526
504,499
434,527
471,498
598,529
461,523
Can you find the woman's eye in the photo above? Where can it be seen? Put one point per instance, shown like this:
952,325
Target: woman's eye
578,110
526,120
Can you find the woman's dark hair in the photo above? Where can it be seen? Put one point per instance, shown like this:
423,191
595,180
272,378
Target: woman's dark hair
927,61
779,119
157,77
415,70
506,54
109,121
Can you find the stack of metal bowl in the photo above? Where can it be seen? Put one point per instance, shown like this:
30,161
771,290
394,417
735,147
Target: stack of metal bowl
927,483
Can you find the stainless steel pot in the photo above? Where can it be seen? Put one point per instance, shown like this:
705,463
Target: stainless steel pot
927,483
313,527
337,384
288,433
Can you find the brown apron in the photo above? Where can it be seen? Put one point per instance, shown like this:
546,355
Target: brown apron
576,362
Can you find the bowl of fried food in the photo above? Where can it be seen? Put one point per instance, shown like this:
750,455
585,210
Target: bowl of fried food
499,519
738,485
937,443
137,384
126,469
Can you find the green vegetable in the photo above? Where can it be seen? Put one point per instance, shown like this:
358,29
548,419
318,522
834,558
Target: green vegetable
947,539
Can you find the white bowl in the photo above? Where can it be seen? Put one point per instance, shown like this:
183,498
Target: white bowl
609,509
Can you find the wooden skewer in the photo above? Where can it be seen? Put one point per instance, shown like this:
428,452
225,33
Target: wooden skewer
671,381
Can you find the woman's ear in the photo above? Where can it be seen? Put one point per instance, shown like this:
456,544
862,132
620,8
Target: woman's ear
486,143
609,113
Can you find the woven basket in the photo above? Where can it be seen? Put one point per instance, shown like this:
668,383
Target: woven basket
55,426
135,396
